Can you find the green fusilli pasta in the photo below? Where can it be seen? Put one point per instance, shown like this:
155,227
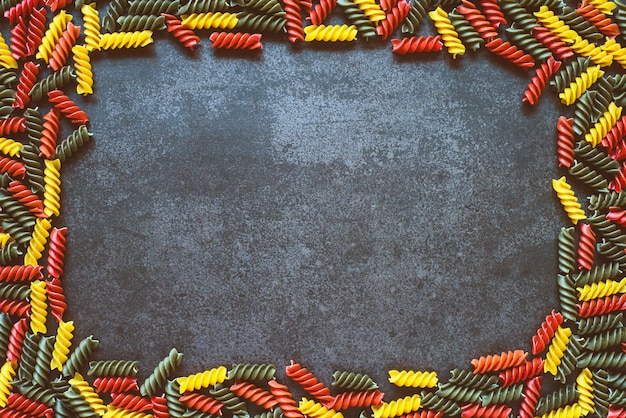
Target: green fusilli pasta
34,169
568,297
204,6
15,291
73,143
356,16
353,381
54,81
588,176
600,323
153,7
41,374
604,200
230,401
161,372
597,158
598,273
260,23
248,372
516,13
567,395
503,395
527,43
79,356
134,23
116,9
413,21
568,73
468,35
112,368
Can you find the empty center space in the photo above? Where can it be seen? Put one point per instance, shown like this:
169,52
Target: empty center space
342,208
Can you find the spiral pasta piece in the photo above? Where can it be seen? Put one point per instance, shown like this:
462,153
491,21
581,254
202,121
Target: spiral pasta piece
52,180
604,124
601,289
202,380
353,381
532,393
38,307
568,200
308,382
605,6
601,306
67,107
117,384
6,58
285,400
598,19
584,386
88,393
131,402
321,11
565,141
447,32
12,125
36,30
556,349
49,134
239,40
52,35
597,54
393,19
511,53
490,411
7,373
254,394
414,44
355,399
63,47
25,84
184,35
415,379
19,34
546,332
111,368
539,80
499,361
332,33
119,40
372,10
91,19
16,340
397,407
200,402
312,409
568,411
161,372
84,75
210,20
63,340
18,402
586,247
10,147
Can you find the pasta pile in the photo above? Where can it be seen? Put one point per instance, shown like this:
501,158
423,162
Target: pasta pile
577,51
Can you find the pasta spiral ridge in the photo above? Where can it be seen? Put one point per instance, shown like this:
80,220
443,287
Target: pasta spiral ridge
565,141
14,291
161,372
511,53
601,306
16,340
584,386
10,147
118,40
119,384
397,407
202,379
601,289
393,19
6,59
231,401
331,33
19,34
210,20
355,399
619,181
70,145
41,374
56,299
49,134
36,30
67,107
612,252
63,47
538,82
54,81
308,382
78,403
52,181
12,125
184,35
112,368
285,399
580,25
415,44
19,273
319,13
172,396
84,75
475,381
203,6
38,307
26,82
159,407
131,402
135,23
7,372
312,409
79,358
556,349
65,333
580,84
532,392
597,54
447,32
254,394
15,307
249,372
493,13
353,381
114,11
260,23
200,402
415,379
555,400
9,253
17,402
498,361
605,340
415,17
568,200
530,45
502,395
356,16
29,355
91,19
56,252
586,247
237,40
457,393
546,332
599,324
492,411
614,136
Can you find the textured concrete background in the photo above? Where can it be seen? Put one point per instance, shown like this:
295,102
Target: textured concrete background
341,207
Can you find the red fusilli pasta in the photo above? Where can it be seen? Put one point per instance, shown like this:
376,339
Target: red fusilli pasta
393,19
484,28
16,340
12,125
63,47
13,167
489,411
49,134
321,11
67,107
184,35
295,31
361,399
511,53
23,9
56,298
309,382
416,44
586,247
36,30
15,307
18,273
546,332
493,13
601,306
27,198
131,402
565,141
254,394
532,392
19,34
159,407
548,39
239,40
119,384
56,252
285,399
598,19
498,362
27,79
28,406
539,81
202,403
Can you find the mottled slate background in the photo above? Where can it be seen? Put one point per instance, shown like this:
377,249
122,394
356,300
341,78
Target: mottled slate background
341,207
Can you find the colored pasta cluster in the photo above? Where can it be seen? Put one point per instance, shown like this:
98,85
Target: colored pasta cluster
577,362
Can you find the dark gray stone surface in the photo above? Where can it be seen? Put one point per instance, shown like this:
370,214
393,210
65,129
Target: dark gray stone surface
341,207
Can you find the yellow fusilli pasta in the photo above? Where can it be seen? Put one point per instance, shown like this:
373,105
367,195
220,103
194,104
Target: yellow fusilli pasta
38,307
314,409
568,411
210,20
117,40
604,6
7,373
37,242
410,378
449,35
558,345
584,386
113,412
555,25
10,147
371,10
601,289
587,49
52,35
604,124
202,380
397,407
5,238
331,33
568,200
62,343
88,393
580,85
91,25
52,187
6,59
84,75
